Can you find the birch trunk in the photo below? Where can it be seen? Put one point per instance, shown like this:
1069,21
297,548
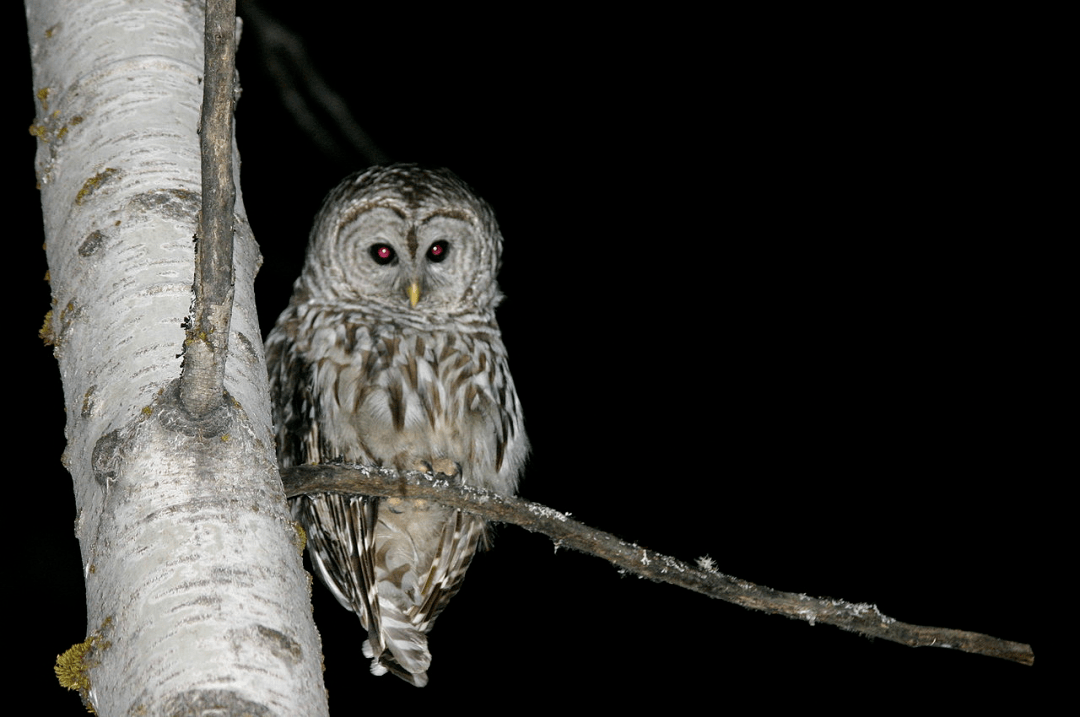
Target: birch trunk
196,595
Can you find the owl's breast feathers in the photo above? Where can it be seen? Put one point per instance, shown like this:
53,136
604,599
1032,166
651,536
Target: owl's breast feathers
397,396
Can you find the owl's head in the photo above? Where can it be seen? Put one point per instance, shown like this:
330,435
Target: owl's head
406,239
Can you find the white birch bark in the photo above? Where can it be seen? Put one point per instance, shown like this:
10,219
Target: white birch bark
195,586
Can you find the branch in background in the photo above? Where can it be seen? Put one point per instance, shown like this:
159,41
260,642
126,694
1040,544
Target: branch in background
862,618
314,105
203,379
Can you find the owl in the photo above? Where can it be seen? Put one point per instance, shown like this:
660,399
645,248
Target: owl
389,355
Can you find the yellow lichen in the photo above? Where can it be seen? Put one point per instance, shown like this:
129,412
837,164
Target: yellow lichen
45,333
88,402
93,183
72,668
300,537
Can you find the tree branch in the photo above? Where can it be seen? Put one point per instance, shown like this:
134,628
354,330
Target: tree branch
314,104
207,345
862,618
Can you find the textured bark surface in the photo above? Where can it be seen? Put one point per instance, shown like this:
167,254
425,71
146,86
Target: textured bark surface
195,588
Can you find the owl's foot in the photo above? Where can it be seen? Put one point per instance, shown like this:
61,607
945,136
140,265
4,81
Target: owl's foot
442,468
446,469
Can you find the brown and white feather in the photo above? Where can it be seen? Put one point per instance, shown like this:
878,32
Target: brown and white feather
362,374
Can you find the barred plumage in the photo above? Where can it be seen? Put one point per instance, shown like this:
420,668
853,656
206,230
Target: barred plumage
389,354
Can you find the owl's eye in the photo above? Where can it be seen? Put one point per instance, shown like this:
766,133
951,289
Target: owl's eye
438,251
382,253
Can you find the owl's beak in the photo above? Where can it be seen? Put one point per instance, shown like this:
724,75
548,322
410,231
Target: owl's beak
414,293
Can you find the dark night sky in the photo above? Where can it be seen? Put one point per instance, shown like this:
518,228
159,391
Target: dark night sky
760,306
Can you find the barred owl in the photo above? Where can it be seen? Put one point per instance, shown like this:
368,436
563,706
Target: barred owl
389,355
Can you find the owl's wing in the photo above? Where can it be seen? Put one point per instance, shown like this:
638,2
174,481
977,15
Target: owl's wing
341,545
460,540
294,405
340,537
408,601
340,529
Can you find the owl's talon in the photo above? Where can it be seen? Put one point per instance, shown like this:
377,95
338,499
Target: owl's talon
447,470
422,467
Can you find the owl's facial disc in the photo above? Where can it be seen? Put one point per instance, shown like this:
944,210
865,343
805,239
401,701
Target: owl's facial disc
426,257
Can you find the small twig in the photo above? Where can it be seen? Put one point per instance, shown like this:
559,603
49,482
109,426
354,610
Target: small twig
855,617
203,378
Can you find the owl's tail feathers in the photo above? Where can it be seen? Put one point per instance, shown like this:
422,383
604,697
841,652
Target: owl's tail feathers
405,654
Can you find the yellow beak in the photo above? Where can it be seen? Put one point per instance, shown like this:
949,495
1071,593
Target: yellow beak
414,293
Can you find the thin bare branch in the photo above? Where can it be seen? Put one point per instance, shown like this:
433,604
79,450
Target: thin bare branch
320,111
703,578
203,378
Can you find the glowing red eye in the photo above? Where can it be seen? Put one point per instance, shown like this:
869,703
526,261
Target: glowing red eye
438,251
382,253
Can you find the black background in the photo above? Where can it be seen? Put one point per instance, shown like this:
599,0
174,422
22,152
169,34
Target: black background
766,301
